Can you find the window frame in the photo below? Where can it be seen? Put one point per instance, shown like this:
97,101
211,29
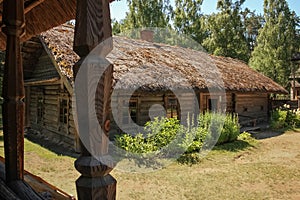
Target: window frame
65,123
171,106
40,108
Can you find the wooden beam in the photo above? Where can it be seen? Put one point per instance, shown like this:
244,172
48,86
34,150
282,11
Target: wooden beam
28,8
93,25
13,91
33,5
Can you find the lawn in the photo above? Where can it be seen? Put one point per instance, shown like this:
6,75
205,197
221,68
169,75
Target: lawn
267,169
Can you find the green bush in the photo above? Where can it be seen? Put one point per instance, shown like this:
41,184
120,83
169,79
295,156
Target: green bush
278,119
284,118
160,133
230,130
168,135
245,136
220,127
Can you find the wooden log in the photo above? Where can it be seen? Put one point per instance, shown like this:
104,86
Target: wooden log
51,97
52,112
52,87
51,120
51,101
51,107
52,92
93,25
13,91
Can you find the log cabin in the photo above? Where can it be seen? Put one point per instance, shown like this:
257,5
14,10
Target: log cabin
49,84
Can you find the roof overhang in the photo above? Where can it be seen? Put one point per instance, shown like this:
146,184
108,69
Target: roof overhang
39,16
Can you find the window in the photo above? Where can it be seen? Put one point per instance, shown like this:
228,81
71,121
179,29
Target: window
64,111
172,108
130,111
213,105
40,109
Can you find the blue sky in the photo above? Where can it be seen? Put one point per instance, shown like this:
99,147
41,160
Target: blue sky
119,8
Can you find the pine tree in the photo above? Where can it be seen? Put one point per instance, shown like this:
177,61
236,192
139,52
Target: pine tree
147,13
226,31
252,23
187,19
276,42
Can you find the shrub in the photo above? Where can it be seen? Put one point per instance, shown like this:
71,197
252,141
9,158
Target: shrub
230,130
169,136
245,136
221,127
284,118
161,131
278,119
135,144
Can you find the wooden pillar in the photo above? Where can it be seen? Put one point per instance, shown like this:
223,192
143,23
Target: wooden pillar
93,25
13,91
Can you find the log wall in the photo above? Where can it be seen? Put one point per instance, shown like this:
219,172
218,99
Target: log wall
252,108
151,101
49,125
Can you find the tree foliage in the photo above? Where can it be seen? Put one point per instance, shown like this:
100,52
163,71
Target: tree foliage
147,13
188,19
252,23
276,42
226,31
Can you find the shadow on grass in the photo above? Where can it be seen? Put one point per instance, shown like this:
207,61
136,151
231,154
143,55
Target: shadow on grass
1,138
235,146
51,146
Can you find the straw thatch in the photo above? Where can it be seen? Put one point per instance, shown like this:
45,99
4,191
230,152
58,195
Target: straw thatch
156,67
40,16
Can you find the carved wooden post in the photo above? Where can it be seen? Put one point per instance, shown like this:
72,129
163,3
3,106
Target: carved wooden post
93,25
13,91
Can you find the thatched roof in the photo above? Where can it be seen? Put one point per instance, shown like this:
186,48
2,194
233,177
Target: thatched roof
41,15
160,66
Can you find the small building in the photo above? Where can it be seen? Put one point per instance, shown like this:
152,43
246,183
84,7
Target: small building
48,62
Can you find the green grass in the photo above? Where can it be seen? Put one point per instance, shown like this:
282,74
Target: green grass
56,169
267,169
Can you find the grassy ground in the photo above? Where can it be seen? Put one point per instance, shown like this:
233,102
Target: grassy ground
54,168
269,169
